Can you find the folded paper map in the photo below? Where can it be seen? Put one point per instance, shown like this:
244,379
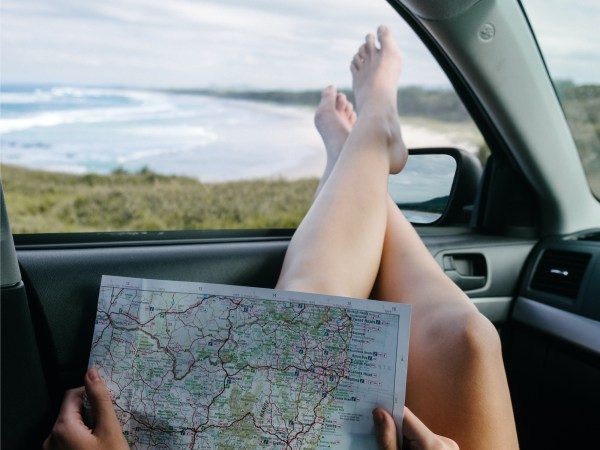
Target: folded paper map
206,366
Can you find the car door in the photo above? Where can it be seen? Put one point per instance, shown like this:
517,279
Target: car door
486,241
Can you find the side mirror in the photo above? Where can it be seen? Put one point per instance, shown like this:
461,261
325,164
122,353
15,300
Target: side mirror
437,186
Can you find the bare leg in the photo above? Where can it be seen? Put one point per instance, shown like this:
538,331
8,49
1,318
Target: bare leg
334,119
337,247
456,382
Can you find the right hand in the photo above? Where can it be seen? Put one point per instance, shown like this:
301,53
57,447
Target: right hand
416,434
71,433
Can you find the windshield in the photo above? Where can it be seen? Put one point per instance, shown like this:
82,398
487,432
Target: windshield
569,38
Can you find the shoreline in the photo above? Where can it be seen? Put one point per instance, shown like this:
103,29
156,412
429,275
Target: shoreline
298,135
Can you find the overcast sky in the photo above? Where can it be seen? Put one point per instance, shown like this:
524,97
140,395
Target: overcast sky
240,43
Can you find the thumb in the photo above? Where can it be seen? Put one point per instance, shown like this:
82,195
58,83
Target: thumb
385,430
101,402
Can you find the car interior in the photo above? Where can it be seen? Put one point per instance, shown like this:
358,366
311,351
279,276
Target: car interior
521,236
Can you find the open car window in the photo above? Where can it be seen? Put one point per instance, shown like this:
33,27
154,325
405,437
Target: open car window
130,115
572,56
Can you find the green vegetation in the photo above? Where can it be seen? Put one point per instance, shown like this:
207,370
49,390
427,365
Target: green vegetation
582,110
414,101
40,201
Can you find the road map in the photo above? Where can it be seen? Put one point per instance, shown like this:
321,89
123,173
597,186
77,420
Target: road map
206,366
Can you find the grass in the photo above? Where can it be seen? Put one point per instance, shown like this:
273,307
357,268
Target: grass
39,201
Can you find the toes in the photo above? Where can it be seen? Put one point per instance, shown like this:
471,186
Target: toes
368,47
370,42
327,103
352,118
328,94
384,36
328,91
350,114
340,102
357,62
348,109
363,52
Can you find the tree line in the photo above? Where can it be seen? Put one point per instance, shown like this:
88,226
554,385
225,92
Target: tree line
441,104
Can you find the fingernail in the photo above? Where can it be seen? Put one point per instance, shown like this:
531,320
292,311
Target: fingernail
94,374
377,416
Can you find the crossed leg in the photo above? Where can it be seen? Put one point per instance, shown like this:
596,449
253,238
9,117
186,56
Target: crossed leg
337,247
456,379
355,237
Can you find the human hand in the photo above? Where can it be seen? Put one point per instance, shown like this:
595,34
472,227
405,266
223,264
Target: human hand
416,435
71,433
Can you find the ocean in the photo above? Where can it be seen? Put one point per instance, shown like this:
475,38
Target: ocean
99,130
82,130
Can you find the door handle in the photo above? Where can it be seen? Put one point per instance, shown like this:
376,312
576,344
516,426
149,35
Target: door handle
467,270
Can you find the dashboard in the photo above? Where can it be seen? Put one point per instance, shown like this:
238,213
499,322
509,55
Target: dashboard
552,345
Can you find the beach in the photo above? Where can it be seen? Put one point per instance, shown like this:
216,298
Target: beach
82,130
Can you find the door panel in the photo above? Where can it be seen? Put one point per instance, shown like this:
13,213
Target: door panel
62,282
487,268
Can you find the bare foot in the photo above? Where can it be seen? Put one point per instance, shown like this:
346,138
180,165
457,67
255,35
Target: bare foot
334,119
375,73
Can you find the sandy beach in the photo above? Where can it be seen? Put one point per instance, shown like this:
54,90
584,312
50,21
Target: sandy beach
417,133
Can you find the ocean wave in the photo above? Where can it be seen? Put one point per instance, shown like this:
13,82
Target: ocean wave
50,107
154,111
31,95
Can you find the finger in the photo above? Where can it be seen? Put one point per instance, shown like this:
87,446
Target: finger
415,430
385,430
69,422
101,401
71,405
47,443
421,437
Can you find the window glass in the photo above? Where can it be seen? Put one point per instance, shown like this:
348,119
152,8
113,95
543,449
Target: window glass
573,59
155,115
422,189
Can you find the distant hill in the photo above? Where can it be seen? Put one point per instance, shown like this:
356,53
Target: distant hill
581,104
441,104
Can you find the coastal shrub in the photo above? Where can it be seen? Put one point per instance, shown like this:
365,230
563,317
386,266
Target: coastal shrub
40,201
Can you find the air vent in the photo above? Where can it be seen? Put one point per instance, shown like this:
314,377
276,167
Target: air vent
560,272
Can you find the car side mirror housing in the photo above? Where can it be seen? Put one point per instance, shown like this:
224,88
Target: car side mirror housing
438,186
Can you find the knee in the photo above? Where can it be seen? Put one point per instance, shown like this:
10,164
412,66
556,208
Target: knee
480,335
462,334
473,339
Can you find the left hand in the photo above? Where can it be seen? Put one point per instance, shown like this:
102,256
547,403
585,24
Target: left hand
71,433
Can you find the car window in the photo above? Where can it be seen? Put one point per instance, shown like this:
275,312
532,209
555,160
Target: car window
573,60
153,115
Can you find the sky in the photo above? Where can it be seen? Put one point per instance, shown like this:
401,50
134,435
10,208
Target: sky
288,44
